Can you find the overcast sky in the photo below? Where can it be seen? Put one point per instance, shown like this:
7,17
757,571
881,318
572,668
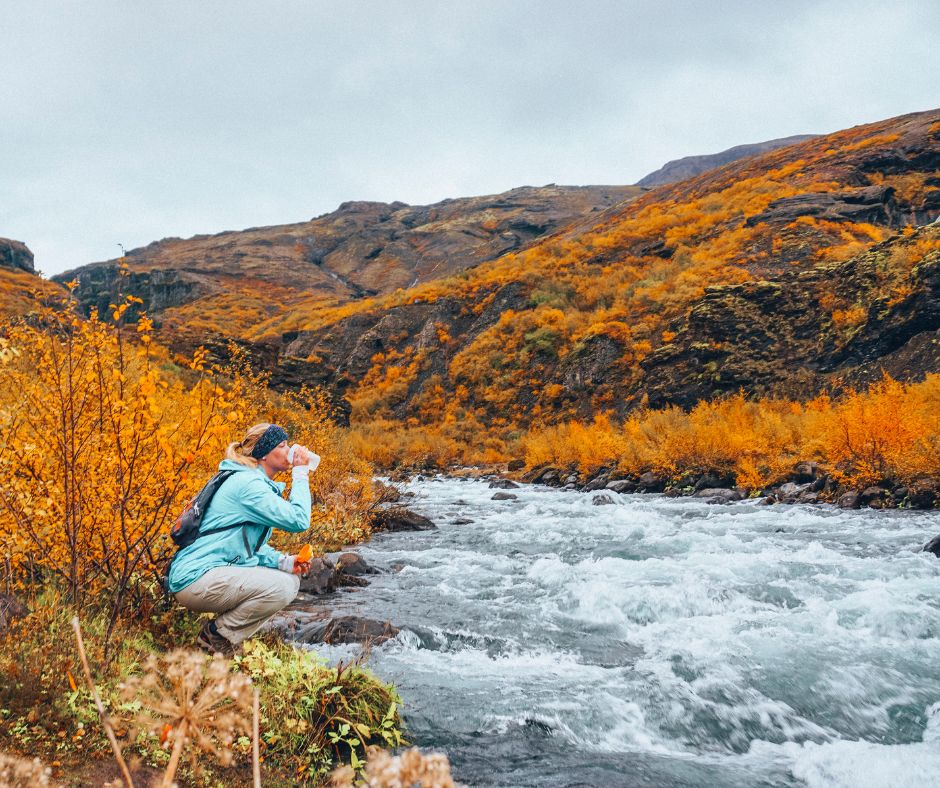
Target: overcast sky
126,122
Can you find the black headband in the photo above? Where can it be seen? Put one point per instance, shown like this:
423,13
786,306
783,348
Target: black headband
268,441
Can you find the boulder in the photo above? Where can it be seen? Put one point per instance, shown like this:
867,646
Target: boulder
602,500
719,495
503,484
319,580
850,500
461,521
515,465
539,472
873,496
712,481
650,482
354,564
398,518
504,496
933,546
791,491
621,486
923,493
597,483
346,629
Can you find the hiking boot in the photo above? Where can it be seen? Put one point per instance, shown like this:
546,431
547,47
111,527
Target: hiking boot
211,641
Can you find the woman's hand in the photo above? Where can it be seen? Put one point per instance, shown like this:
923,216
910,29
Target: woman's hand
303,456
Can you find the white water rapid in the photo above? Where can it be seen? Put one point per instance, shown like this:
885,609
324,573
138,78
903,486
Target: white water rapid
661,642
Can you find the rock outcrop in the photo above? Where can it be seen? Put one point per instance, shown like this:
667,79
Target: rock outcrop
15,255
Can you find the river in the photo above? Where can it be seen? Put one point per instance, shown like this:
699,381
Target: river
661,641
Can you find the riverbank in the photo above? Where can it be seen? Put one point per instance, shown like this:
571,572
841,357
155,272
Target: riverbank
806,482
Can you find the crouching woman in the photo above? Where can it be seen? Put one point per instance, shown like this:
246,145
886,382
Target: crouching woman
233,572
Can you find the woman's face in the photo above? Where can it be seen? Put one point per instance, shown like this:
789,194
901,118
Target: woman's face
276,459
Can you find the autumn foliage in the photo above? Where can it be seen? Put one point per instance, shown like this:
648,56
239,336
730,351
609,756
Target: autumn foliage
103,437
888,433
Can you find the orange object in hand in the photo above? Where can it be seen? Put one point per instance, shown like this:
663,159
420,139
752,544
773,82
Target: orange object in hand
302,560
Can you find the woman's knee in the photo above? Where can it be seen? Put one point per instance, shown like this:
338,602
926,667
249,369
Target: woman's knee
290,588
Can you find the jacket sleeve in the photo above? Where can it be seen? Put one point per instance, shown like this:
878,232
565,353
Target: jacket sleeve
266,507
268,556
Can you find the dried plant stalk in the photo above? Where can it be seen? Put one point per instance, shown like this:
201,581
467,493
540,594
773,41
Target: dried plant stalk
190,699
105,721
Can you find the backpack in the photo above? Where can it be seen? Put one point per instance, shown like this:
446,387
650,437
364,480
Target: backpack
185,529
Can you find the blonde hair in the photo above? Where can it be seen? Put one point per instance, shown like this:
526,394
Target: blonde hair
240,451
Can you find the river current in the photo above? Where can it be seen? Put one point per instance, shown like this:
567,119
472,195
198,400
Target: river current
660,641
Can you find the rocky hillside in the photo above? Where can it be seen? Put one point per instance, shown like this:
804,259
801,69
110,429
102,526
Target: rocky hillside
797,271
690,166
362,249
19,285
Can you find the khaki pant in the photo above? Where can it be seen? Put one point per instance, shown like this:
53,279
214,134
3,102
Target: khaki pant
243,596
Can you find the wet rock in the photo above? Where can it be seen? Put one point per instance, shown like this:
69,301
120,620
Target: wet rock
503,496
923,493
570,486
719,495
873,497
572,479
602,500
621,486
791,491
808,497
503,484
770,500
461,521
933,546
597,483
850,500
10,609
319,580
712,481
346,629
515,465
539,473
650,482
354,564
398,518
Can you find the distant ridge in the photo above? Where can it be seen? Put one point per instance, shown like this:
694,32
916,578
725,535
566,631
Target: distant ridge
690,166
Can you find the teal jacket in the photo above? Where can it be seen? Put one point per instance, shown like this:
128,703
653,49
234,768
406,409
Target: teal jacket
246,496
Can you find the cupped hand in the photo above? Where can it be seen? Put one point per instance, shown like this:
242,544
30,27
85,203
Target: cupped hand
301,456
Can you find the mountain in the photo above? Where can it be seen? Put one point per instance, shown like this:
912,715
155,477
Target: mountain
690,166
801,270
724,281
361,249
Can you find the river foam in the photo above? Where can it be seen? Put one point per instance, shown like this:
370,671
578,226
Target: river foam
661,641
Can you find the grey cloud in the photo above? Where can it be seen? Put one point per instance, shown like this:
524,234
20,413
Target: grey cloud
129,122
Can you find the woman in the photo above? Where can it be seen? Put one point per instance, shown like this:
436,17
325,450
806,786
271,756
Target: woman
234,573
